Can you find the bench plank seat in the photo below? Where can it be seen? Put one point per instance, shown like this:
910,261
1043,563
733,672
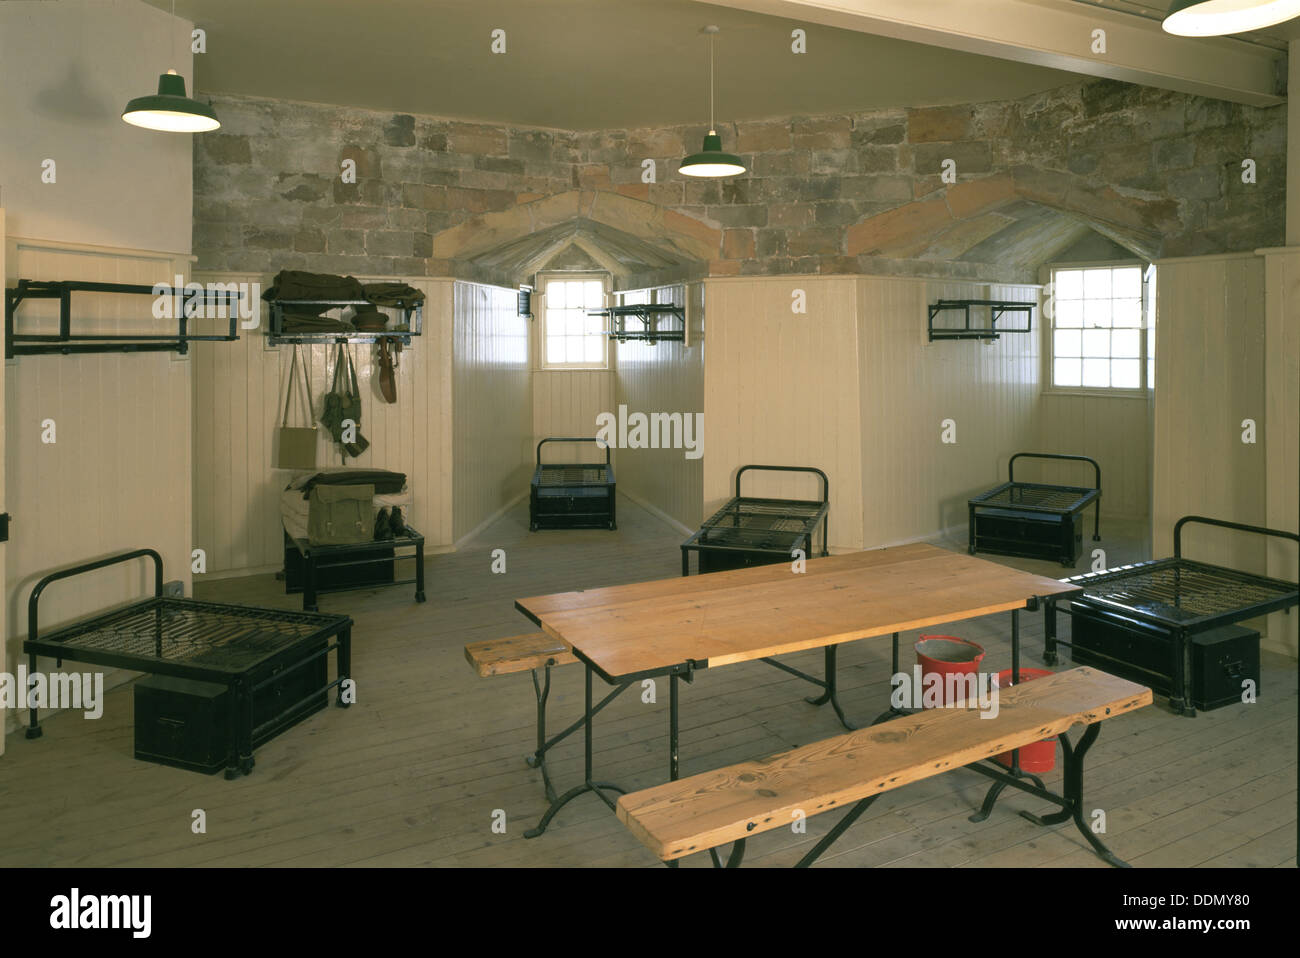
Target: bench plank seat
518,653
710,809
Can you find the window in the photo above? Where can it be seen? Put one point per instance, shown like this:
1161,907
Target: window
1098,328
572,339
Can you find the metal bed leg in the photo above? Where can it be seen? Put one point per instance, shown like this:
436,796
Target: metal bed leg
419,571
970,530
344,663
832,691
686,563
587,785
1179,699
309,603
33,724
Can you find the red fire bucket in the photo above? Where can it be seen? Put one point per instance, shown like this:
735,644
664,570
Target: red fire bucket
946,655
1039,756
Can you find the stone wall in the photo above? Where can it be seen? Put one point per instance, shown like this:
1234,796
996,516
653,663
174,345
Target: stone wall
1159,172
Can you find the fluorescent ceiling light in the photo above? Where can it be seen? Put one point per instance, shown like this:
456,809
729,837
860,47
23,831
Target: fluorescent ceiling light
1214,18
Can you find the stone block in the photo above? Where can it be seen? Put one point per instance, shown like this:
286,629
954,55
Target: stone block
400,130
943,124
737,244
767,137
822,133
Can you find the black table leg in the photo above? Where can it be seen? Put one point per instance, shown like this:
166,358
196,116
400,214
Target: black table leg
588,785
891,712
1049,631
832,691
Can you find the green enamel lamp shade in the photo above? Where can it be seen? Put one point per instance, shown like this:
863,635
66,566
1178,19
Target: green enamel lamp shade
1214,18
170,110
711,161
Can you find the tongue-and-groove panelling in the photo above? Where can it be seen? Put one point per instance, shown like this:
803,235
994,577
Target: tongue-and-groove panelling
238,397
1210,376
781,388
665,378
116,476
493,394
914,484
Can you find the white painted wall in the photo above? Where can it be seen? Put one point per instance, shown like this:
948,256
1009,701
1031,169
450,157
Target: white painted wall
665,378
492,394
69,68
117,476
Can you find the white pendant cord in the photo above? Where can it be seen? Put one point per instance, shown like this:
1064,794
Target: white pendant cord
711,126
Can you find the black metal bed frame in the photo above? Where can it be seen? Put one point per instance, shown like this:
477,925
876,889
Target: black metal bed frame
201,638
1140,594
756,547
1026,510
589,488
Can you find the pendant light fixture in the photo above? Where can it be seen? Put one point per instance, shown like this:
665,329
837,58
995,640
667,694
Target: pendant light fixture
711,161
1215,18
170,110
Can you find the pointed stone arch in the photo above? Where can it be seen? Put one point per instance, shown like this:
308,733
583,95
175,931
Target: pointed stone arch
631,238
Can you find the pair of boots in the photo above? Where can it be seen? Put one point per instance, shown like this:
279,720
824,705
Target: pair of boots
389,525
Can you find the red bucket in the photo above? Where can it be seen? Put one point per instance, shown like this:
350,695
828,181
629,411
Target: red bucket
1039,756
946,655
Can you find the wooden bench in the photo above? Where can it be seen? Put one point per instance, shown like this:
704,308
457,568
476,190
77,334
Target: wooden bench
731,804
518,653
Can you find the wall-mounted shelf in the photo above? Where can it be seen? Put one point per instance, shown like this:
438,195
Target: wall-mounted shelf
997,309
66,342
412,314
649,315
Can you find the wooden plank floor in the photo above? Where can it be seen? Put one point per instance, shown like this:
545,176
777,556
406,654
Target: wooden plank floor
414,773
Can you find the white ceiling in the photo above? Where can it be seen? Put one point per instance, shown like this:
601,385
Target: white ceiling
575,64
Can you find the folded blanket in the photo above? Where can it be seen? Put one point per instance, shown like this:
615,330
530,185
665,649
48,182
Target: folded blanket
384,481
392,294
299,284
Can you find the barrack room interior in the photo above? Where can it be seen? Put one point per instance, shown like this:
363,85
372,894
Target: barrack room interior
648,433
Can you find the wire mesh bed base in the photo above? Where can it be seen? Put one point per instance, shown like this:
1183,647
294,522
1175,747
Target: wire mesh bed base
271,662
1034,520
572,495
759,531
1165,604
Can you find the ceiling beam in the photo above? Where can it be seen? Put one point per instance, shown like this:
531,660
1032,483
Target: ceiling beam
1056,34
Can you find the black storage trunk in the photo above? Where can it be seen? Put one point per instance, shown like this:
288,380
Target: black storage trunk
1031,535
332,579
186,723
1222,658
1033,519
182,722
571,495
